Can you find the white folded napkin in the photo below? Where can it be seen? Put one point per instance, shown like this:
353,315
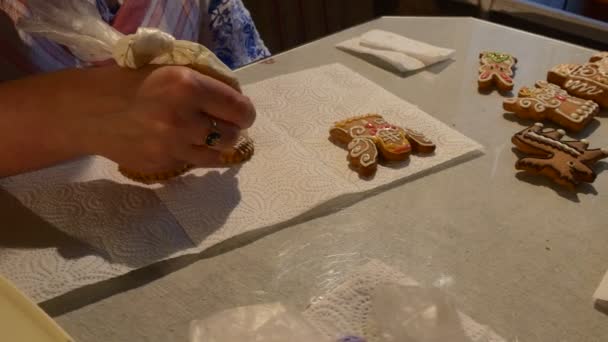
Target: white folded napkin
601,294
404,54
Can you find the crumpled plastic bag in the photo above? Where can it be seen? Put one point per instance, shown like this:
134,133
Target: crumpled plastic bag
77,25
414,314
394,313
264,322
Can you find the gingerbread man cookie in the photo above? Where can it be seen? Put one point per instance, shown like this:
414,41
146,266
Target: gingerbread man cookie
496,69
567,163
241,152
588,81
369,135
548,101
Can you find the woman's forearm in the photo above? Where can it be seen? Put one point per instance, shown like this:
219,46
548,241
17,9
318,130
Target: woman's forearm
55,117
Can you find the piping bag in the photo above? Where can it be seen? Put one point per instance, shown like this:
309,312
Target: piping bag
77,25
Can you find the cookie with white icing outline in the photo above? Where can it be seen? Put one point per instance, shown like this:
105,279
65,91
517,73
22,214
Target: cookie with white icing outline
588,81
369,138
566,162
547,101
496,69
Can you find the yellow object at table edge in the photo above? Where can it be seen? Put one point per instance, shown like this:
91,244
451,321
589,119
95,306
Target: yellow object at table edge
23,308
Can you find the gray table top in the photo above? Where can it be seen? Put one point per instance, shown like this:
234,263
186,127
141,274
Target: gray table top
525,256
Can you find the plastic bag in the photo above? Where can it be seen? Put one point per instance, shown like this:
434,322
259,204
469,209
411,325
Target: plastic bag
267,323
413,313
389,311
77,25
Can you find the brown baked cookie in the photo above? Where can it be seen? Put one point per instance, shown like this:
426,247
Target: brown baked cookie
547,101
496,69
241,152
369,136
567,163
588,81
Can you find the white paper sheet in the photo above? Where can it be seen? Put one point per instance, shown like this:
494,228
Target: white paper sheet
295,173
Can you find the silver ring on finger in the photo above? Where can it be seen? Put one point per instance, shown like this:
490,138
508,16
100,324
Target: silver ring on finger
214,137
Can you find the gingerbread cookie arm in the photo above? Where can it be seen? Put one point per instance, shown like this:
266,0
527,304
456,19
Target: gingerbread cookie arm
420,143
340,135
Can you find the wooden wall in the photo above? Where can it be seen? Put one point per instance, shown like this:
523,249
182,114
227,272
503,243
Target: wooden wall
284,24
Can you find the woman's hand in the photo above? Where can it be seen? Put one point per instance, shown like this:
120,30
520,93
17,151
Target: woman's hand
167,123
148,120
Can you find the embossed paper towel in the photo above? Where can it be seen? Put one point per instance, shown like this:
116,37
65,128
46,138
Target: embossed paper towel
296,168
295,171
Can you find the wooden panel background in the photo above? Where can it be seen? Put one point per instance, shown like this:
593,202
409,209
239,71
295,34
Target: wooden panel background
284,24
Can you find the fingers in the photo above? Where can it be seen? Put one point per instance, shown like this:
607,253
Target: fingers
200,156
225,103
199,126
191,91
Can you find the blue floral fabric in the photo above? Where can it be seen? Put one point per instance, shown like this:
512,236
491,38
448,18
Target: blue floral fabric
235,38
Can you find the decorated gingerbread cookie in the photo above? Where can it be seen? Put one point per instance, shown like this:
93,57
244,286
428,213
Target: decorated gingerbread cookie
369,136
241,152
496,69
588,81
566,162
547,101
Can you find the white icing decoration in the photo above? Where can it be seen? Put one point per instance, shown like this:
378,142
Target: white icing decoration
583,87
364,149
357,131
604,150
538,124
555,143
390,135
561,131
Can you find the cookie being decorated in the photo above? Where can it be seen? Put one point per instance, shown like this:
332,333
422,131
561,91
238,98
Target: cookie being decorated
369,138
241,152
566,162
496,70
588,81
547,101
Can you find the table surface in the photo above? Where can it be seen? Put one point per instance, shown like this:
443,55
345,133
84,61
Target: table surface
525,256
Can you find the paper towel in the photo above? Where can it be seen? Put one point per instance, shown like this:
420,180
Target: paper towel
294,172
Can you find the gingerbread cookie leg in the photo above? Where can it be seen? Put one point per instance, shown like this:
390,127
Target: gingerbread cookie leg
363,156
420,143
